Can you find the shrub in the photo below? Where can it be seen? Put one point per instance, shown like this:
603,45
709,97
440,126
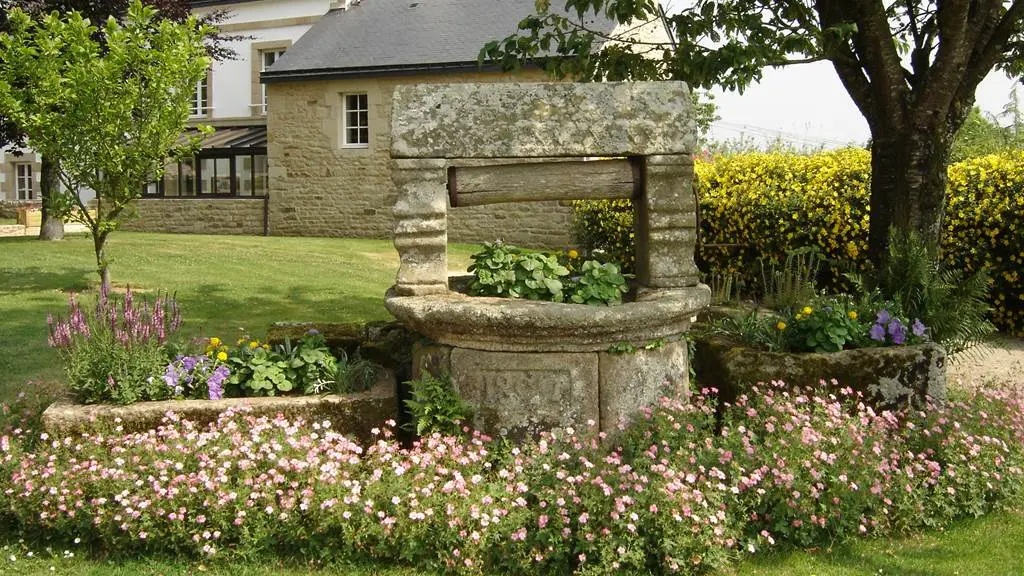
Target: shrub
117,353
677,492
759,206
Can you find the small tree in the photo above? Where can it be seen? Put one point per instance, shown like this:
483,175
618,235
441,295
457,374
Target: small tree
111,103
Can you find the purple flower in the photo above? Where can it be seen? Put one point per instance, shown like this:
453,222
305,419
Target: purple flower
215,382
897,331
312,331
883,317
917,328
877,333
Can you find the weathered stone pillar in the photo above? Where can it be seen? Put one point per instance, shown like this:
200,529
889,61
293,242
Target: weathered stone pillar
421,228
666,224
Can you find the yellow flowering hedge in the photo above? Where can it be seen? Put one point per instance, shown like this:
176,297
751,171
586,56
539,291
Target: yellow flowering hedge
760,205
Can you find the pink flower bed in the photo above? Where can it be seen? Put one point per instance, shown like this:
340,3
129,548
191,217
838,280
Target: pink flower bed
677,492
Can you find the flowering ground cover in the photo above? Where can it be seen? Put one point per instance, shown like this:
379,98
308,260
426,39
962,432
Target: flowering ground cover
679,492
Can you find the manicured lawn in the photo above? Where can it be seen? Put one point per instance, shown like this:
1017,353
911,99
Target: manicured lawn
229,283
224,284
989,546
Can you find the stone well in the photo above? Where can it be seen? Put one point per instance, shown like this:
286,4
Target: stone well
526,365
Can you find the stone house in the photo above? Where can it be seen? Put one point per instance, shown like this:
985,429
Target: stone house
303,119
223,189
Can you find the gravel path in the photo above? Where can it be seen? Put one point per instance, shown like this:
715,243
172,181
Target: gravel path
999,362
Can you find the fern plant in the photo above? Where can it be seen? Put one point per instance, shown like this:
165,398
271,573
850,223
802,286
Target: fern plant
952,303
435,406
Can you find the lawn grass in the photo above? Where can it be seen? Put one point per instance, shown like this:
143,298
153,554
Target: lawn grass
225,284
8,221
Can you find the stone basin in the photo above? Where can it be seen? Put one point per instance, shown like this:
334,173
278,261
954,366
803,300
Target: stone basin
515,325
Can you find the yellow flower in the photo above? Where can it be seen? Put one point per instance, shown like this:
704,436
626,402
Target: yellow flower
214,341
781,325
852,315
266,346
574,254
240,340
807,311
254,344
222,356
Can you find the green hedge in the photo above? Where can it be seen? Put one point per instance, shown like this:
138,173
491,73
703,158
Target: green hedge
758,206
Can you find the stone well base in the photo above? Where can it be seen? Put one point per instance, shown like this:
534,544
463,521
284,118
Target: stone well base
350,414
522,393
889,377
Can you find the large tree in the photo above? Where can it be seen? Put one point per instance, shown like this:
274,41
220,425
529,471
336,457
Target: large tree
910,66
111,103
13,138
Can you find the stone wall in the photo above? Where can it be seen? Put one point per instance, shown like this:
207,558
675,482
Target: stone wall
9,208
321,188
199,216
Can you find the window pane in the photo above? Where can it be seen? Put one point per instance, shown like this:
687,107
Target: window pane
362,99
188,177
364,135
364,118
243,180
171,179
222,182
260,187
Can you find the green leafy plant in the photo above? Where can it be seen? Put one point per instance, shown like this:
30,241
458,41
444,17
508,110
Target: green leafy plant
258,372
435,406
261,370
827,324
598,284
509,271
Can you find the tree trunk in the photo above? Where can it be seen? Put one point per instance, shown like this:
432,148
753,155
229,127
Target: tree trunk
908,185
52,226
102,267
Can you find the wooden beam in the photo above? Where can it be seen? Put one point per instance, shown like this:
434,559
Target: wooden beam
577,180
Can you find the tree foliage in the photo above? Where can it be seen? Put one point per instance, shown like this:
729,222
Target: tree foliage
111,103
911,67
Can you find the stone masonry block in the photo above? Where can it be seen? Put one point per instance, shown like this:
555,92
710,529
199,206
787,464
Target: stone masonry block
632,381
520,394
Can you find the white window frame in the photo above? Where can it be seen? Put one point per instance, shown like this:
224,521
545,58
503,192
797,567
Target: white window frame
359,127
24,181
277,52
200,104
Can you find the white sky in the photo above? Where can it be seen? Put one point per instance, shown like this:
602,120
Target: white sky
807,106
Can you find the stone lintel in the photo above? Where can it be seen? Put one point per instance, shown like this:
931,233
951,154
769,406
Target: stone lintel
530,120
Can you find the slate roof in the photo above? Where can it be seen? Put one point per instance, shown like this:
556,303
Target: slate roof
377,37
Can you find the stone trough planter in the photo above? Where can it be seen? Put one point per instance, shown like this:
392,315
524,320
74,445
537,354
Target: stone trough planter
350,414
888,377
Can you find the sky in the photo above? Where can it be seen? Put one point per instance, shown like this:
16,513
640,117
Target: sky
807,106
